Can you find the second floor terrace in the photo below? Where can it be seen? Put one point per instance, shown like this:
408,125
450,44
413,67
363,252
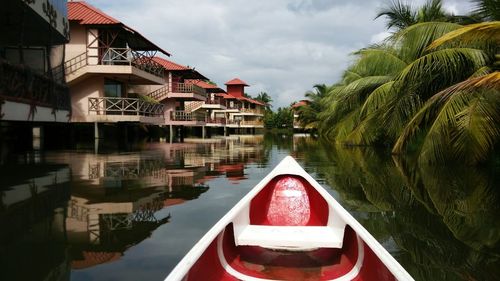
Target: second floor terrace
179,91
110,109
102,45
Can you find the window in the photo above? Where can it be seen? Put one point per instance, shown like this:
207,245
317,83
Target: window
112,89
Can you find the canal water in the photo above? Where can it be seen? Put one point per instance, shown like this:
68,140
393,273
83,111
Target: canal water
132,213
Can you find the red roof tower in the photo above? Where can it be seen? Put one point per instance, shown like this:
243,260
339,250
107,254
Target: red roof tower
236,87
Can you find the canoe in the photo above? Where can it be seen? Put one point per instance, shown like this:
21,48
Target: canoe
288,227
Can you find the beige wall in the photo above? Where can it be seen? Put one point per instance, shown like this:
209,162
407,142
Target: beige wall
144,89
169,107
93,87
78,43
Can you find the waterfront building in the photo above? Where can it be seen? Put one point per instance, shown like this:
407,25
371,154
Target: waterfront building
241,111
213,105
296,113
177,93
104,60
31,55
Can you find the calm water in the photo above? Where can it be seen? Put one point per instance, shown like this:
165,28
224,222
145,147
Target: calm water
111,215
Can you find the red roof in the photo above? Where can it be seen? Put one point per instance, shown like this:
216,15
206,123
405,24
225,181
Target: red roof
251,100
229,96
169,65
300,103
87,14
236,81
205,85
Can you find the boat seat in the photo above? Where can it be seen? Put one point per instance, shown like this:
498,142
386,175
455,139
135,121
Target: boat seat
290,237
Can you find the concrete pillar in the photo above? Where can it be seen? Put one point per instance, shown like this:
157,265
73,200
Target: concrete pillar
171,133
225,130
96,146
96,130
203,132
38,135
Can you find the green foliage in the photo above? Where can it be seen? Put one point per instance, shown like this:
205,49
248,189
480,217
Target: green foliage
266,99
281,119
432,86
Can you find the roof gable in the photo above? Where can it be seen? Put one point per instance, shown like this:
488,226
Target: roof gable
236,81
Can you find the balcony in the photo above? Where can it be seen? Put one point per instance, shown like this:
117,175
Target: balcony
124,110
181,117
252,111
182,91
245,123
217,103
22,85
132,65
216,121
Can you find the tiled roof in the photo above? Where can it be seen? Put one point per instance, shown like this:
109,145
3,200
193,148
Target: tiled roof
229,96
87,14
236,81
300,103
169,65
206,86
251,100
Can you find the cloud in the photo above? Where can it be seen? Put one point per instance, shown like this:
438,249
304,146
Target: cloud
379,37
282,47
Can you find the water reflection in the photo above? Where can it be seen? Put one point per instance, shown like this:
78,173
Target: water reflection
76,210
33,202
83,215
440,222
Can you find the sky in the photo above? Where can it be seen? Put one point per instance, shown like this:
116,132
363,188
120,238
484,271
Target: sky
282,47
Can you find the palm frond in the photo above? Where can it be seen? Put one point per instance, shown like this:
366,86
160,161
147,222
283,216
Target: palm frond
485,31
413,41
463,121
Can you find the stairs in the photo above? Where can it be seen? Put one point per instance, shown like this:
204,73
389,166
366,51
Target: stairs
159,94
193,106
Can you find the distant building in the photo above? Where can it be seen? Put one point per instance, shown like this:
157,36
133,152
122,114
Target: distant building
296,114
241,111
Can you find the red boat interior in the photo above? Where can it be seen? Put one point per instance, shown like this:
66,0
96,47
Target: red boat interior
288,201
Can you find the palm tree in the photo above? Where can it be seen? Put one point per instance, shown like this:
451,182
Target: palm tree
265,98
308,114
463,121
402,15
487,10
431,88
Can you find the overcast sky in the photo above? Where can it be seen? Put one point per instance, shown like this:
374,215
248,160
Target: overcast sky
282,47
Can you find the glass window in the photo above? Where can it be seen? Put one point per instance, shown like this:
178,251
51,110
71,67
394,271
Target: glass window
112,89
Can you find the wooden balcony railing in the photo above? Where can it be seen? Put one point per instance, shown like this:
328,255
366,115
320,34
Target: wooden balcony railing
188,88
124,106
181,115
20,83
245,122
216,120
252,110
163,92
114,56
215,101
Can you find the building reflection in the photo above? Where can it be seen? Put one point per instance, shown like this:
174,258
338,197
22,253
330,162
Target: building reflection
116,198
76,210
33,202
